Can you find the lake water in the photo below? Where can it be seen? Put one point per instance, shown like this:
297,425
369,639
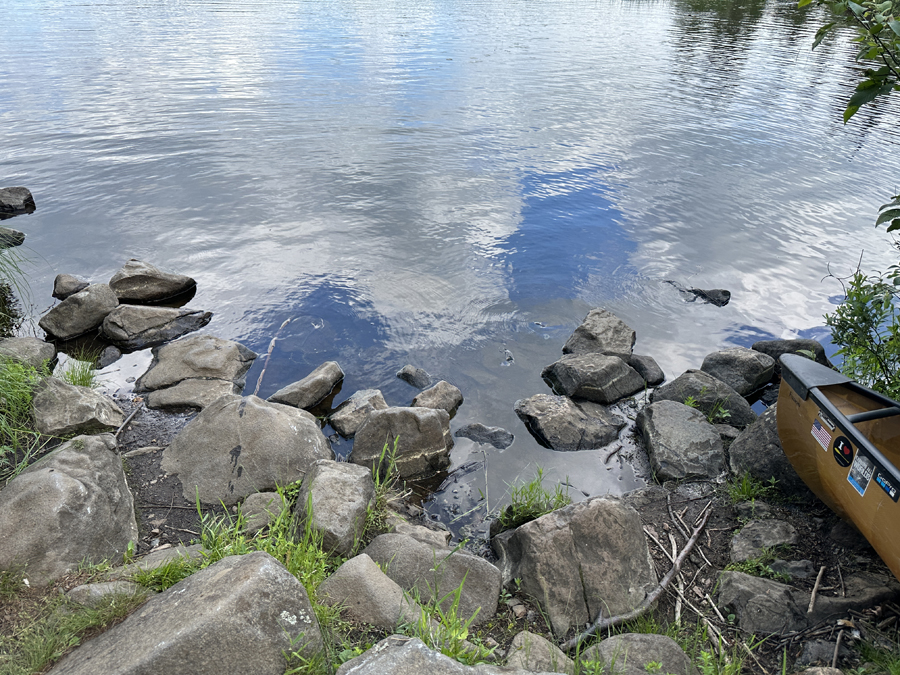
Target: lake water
451,184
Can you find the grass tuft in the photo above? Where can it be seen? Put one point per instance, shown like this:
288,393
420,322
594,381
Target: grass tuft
532,500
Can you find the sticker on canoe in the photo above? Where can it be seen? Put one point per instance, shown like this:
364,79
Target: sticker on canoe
861,473
843,451
886,483
821,434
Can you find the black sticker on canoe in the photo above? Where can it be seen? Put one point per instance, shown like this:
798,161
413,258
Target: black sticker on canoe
861,472
843,451
887,483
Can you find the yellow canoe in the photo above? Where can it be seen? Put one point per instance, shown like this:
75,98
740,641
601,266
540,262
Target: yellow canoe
843,440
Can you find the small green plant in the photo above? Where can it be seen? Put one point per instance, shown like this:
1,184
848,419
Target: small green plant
79,369
747,488
760,566
168,574
718,413
653,667
532,500
20,444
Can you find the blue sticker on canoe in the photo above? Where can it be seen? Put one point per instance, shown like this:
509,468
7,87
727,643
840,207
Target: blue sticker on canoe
861,473
886,482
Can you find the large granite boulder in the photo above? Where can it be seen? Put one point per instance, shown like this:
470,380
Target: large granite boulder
80,312
65,285
16,200
436,572
364,593
309,391
349,415
139,282
333,501
560,423
196,364
421,437
633,654
744,370
134,327
237,446
578,560
757,451
73,505
240,615
711,396
61,409
443,396
776,348
601,332
28,350
680,442
595,377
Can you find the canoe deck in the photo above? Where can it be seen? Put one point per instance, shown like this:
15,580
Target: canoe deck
844,442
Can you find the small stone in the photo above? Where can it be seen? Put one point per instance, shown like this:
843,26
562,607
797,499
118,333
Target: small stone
416,377
65,285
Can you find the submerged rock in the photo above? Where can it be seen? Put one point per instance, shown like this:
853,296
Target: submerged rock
312,389
139,281
134,327
422,437
416,377
560,423
498,437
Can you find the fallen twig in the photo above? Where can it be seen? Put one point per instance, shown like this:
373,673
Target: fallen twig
837,647
812,598
127,420
612,454
673,518
269,354
600,623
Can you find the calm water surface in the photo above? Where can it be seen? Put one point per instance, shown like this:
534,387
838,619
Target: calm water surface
452,184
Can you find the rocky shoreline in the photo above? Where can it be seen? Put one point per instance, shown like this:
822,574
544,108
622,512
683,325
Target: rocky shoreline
129,481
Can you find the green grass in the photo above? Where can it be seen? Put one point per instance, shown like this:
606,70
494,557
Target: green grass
531,500
20,444
747,488
760,565
79,369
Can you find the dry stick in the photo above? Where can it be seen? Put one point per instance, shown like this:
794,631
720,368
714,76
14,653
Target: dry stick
672,516
127,420
837,646
662,548
269,355
702,511
715,609
600,623
812,598
699,550
612,454
841,577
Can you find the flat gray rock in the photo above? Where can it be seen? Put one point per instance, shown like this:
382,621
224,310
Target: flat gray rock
750,541
680,442
601,332
65,285
646,367
761,606
595,377
744,370
415,377
560,423
632,654
443,396
196,393
239,615
139,282
196,357
578,560
498,437
73,505
16,200
424,441
533,652
312,389
710,395
61,409
237,446
333,500
349,415
28,350
80,312
133,327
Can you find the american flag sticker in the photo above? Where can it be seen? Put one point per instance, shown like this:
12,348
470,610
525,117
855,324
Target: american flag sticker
821,434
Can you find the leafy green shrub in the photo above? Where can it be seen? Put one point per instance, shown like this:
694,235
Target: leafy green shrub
532,500
747,488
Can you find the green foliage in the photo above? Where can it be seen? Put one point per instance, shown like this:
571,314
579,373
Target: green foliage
759,566
717,414
747,488
167,575
532,500
19,442
887,659
79,369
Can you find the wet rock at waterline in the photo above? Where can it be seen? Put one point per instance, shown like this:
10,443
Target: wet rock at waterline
312,389
560,423
742,369
333,500
711,396
239,615
776,348
65,285
757,535
633,654
350,414
578,560
601,332
394,523
416,377
646,367
80,312
139,282
133,327
680,441
435,572
498,437
237,446
757,451
214,362
10,238
108,356
443,396
365,593
61,409
16,200
28,350
424,441
69,507
595,377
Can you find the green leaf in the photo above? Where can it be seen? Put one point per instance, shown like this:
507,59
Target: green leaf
804,3
850,112
895,225
821,33
859,10
890,214
895,26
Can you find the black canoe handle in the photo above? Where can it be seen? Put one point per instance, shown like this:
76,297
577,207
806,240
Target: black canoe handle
873,415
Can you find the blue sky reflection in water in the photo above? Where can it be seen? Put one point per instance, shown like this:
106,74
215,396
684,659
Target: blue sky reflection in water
452,184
